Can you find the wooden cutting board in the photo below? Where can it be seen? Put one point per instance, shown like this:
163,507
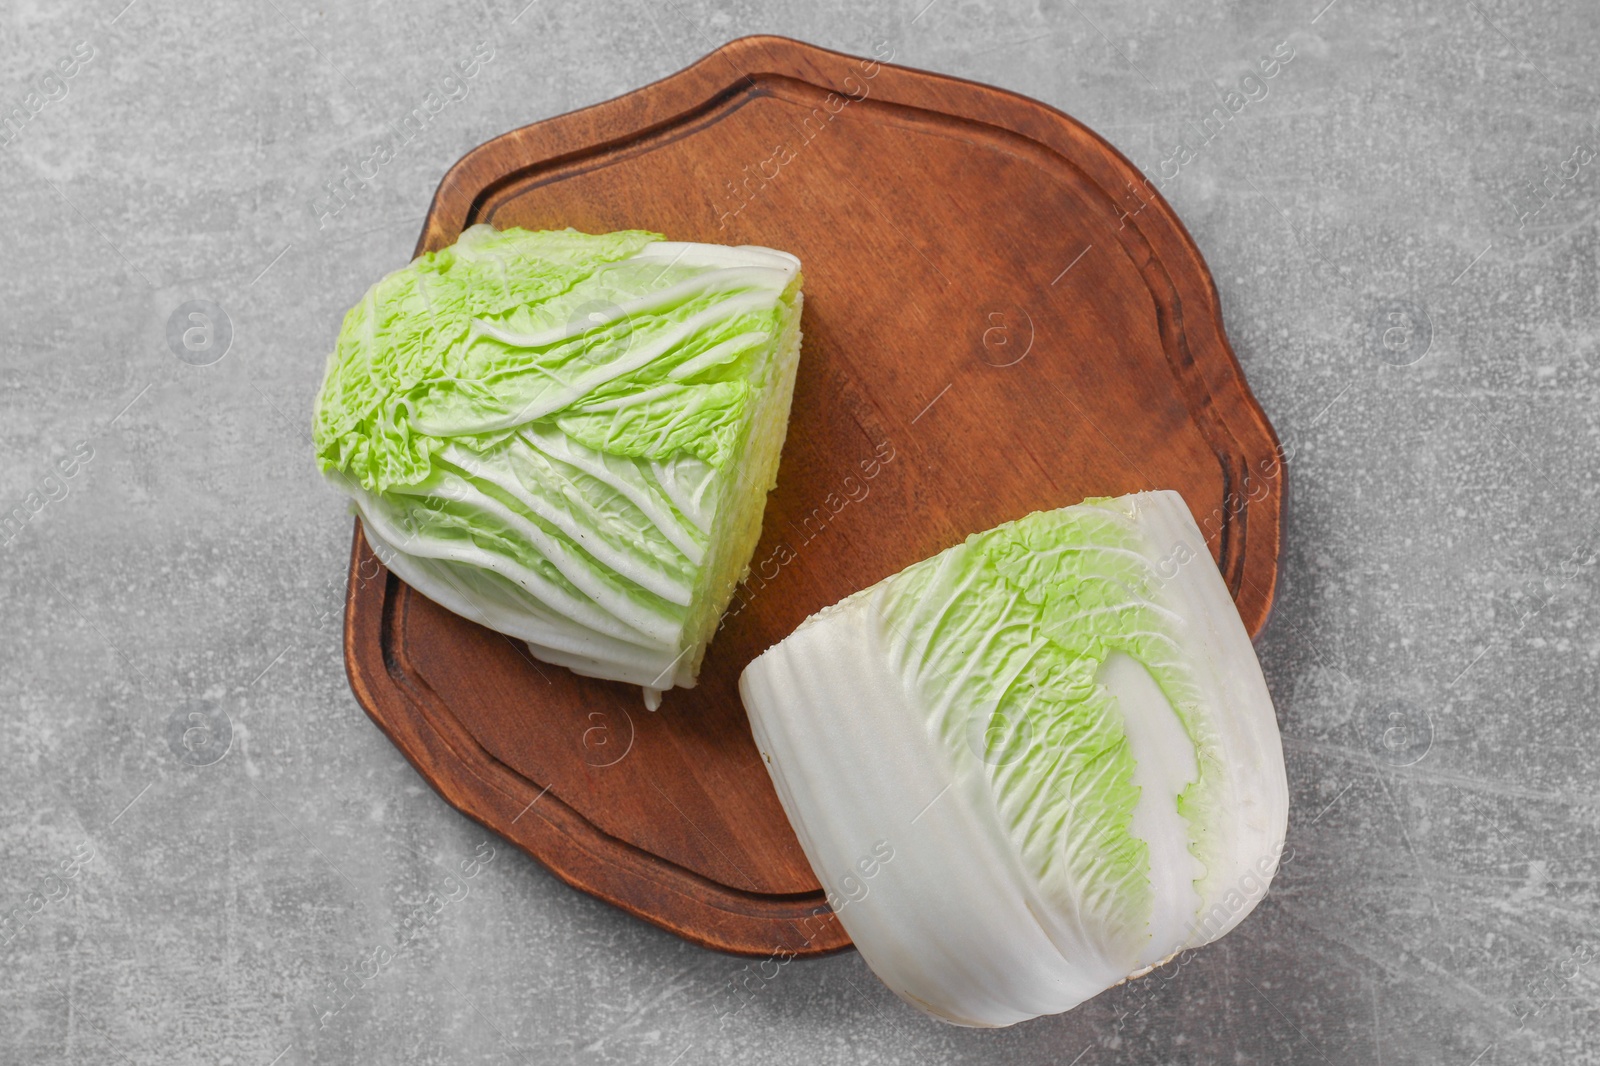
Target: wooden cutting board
1000,316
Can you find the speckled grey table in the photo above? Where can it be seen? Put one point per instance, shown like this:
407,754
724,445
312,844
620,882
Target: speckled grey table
202,836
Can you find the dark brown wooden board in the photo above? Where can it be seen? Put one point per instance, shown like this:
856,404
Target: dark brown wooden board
1001,316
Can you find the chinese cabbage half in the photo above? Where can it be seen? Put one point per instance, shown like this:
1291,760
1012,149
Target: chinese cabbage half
1060,730
569,438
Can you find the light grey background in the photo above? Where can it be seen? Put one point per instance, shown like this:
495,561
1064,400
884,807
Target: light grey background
1433,652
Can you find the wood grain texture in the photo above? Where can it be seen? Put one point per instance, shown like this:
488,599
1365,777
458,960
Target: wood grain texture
1001,316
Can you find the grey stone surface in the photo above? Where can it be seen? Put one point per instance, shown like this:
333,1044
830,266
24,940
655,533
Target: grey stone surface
200,832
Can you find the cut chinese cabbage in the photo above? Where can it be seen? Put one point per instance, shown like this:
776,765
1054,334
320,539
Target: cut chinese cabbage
1060,730
569,438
